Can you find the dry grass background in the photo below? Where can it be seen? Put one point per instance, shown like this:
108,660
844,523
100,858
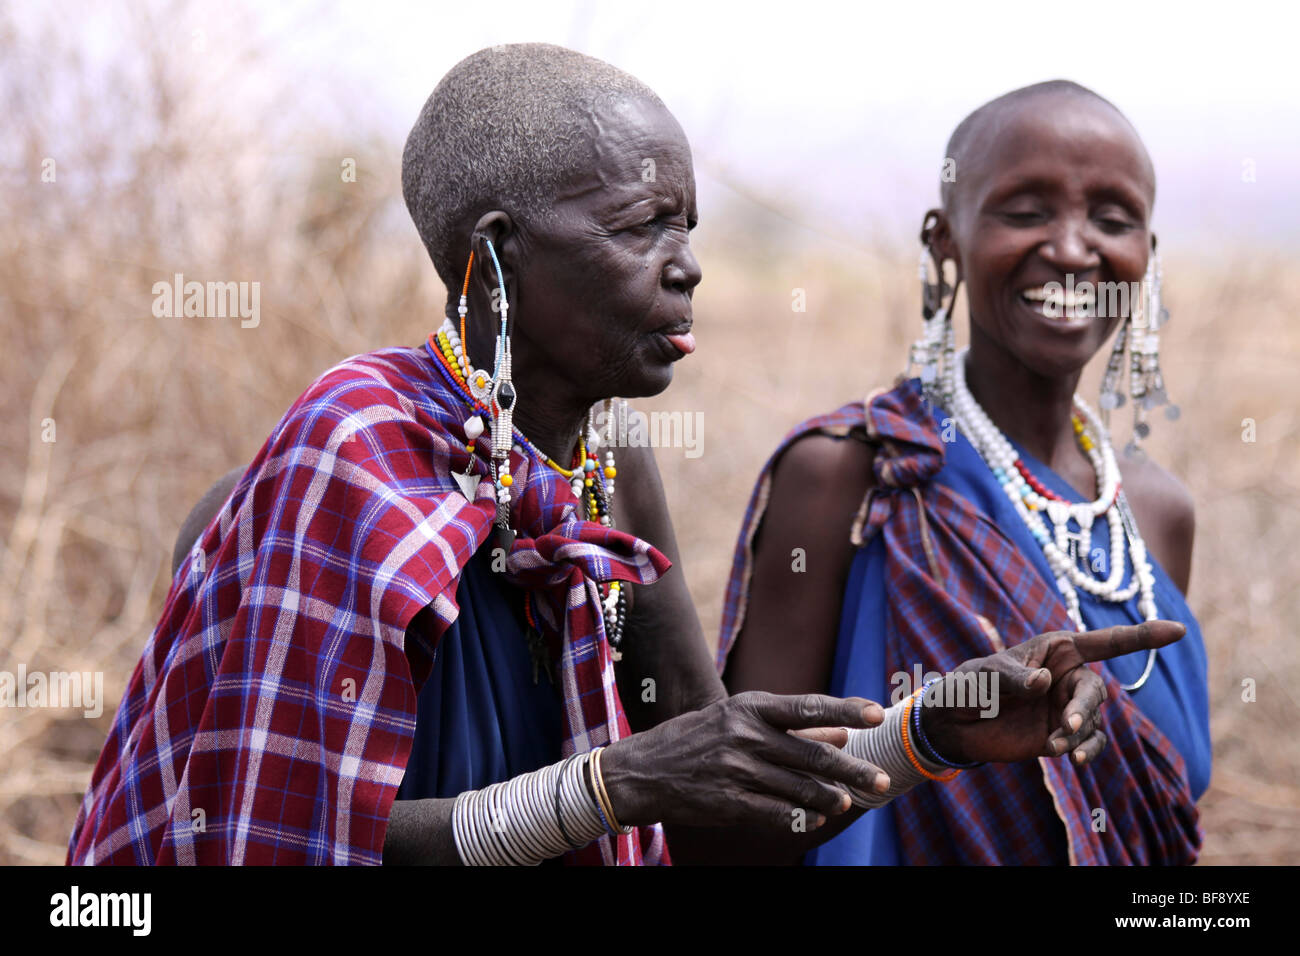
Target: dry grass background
155,175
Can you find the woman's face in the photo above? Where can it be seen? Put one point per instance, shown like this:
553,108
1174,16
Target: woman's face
1051,190
604,288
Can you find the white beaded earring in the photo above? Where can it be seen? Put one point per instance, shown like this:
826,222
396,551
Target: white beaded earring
934,353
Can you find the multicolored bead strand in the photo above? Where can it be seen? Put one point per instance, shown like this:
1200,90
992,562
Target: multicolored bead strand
592,486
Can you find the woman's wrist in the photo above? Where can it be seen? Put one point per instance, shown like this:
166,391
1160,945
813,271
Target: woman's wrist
624,787
934,737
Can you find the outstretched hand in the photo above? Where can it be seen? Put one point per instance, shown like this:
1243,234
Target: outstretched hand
754,759
1040,699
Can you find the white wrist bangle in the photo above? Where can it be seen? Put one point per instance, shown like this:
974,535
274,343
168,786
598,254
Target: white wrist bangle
527,819
883,746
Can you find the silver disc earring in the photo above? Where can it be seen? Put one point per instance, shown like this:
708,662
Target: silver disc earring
1146,382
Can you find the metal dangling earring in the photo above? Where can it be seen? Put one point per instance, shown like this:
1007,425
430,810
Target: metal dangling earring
1111,396
1146,382
926,351
924,355
934,353
503,401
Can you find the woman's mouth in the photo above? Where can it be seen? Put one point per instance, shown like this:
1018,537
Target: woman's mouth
679,337
1056,303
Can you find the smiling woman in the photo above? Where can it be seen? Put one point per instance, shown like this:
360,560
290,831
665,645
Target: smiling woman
956,514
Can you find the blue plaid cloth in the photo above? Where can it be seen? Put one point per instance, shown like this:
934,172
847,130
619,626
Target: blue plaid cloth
986,596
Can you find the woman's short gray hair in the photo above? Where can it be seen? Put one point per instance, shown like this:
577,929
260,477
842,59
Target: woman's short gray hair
502,130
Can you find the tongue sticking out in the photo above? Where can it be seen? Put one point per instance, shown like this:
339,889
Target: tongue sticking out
684,343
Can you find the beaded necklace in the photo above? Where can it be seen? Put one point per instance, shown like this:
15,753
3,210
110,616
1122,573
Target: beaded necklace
1047,515
590,484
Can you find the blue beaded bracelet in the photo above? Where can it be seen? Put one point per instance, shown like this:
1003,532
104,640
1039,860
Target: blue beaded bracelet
920,734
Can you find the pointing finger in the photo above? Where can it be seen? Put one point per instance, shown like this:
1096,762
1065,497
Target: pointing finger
1116,641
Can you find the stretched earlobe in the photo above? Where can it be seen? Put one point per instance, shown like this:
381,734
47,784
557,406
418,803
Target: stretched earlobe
494,269
936,235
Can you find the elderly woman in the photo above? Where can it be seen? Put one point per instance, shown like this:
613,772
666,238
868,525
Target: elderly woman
423,628
983,504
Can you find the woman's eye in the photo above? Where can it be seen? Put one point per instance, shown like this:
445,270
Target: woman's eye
1114,224
1022,217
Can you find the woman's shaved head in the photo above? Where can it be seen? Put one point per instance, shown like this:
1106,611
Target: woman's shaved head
503,130
1053,186
974,135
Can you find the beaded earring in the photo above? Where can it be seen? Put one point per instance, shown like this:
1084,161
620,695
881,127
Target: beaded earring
450,345
934,353
503,399
1140,335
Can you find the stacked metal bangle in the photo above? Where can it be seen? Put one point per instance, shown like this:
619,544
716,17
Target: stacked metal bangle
529,818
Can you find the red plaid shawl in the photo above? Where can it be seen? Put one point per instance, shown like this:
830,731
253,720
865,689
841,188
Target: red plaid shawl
1001,812
271,715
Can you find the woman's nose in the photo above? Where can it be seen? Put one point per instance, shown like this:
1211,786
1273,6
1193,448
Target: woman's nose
1069,247
682,272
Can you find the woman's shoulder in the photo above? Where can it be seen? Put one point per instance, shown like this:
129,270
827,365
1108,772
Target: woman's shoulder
1165,513
1155,489
818,462
378,389
392,376
818,483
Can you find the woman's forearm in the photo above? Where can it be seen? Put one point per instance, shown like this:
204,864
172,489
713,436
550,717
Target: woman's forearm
419,834
526,820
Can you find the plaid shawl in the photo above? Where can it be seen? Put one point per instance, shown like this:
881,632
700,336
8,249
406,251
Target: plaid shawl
985,596
271,715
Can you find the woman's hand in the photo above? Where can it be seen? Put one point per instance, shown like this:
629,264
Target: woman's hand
1046,702
743,761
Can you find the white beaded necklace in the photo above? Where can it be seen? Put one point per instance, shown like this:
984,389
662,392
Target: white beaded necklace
1002,458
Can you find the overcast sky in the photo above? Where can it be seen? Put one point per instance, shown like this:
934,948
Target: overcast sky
838,113
842,109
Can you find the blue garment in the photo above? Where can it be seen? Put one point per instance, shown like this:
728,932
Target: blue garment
1175,698
480,719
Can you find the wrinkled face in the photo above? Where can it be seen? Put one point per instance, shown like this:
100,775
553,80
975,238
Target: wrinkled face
1056,189
604,290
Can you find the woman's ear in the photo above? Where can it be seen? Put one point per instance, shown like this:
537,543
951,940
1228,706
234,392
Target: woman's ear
497,229
936,234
